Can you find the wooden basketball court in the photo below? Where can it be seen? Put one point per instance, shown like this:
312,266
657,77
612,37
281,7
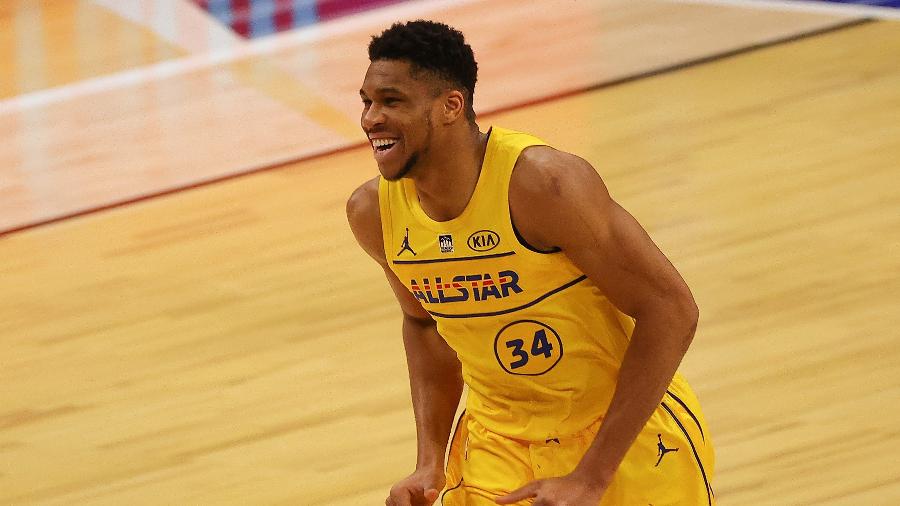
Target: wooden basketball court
185,317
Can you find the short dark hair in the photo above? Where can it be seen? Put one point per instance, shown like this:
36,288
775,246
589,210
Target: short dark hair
432,47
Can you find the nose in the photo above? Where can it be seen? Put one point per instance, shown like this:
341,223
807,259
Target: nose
372,117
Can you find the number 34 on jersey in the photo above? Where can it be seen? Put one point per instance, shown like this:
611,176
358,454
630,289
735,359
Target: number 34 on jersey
527,348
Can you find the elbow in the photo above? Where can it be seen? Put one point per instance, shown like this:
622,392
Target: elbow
689,309
680,313
673,314
690,316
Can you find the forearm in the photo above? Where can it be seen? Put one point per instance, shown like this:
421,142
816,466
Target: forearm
657,346
436,386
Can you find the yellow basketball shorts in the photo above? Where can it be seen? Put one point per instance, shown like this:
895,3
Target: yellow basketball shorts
670,463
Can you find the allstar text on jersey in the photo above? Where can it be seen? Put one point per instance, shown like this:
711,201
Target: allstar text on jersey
479,287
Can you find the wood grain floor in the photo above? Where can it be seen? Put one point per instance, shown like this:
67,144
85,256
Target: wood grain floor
231,344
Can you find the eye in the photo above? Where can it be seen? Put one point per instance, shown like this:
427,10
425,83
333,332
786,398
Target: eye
366,102
391,101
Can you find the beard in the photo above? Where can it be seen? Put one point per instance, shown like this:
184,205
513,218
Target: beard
410,163
414,158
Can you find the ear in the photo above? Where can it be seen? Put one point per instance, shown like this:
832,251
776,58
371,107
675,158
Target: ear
454,106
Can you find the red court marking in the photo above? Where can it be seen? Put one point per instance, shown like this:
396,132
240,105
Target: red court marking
330,9
284,15
241,11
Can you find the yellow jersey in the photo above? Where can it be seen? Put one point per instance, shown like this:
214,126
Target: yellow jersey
540,345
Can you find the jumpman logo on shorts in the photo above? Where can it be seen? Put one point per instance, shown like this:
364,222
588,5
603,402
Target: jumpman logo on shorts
662,450
405,246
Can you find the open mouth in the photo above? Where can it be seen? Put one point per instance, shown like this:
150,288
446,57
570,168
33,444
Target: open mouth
383,146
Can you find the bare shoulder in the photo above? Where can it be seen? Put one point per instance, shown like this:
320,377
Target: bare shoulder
550,189
545,170
364,217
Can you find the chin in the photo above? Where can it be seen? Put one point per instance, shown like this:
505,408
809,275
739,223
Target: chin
400,173
389,174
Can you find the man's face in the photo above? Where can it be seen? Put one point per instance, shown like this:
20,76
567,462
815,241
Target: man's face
396,116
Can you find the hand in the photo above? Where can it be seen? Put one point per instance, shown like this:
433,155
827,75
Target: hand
568,490
421,488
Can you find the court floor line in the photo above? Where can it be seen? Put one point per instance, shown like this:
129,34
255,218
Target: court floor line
548,98
869,11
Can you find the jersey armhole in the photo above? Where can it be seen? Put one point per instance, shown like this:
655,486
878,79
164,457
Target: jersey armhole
512,222
384,207
525,243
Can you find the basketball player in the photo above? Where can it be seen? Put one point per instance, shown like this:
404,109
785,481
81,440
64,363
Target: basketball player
519,276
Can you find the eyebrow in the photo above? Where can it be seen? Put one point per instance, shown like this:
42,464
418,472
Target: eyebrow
388,89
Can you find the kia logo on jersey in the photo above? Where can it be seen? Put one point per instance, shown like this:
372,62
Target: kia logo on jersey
484,240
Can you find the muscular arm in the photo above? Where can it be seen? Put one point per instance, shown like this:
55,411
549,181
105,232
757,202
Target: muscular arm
558,200
434,370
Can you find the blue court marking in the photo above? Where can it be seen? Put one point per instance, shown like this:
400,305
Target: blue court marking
262,21
221,10
263,12
305,13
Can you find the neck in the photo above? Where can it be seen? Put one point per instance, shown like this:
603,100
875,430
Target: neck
448,181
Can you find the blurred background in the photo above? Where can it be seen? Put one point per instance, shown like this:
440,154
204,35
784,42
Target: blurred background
185,317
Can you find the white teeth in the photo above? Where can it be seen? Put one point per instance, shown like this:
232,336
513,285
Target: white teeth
382,142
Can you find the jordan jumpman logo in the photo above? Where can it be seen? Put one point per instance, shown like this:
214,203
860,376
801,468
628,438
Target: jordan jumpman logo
405,246
662,450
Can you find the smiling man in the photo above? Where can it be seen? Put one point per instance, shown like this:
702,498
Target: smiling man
519,276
